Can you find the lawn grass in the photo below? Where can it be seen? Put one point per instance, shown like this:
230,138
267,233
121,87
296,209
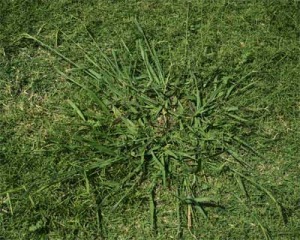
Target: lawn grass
149,120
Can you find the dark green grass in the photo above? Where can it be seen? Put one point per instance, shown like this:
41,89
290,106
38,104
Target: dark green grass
182,124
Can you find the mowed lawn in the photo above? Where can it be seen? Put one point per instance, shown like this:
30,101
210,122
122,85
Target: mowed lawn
149,119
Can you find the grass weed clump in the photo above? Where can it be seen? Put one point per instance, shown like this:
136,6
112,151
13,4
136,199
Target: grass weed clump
189,132
151,132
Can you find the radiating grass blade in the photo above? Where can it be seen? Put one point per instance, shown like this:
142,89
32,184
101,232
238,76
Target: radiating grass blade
277,204
263,229
162,168
10,204
236,117
236,156
90,92
28,36
77,110
241,185
152,208
179,215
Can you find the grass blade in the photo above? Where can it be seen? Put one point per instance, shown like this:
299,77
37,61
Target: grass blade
152,208
28,36
77,110
277,204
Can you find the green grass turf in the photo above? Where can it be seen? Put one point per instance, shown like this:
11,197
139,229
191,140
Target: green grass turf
149,119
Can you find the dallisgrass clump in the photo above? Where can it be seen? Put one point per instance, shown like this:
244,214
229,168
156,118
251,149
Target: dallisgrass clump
148,131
